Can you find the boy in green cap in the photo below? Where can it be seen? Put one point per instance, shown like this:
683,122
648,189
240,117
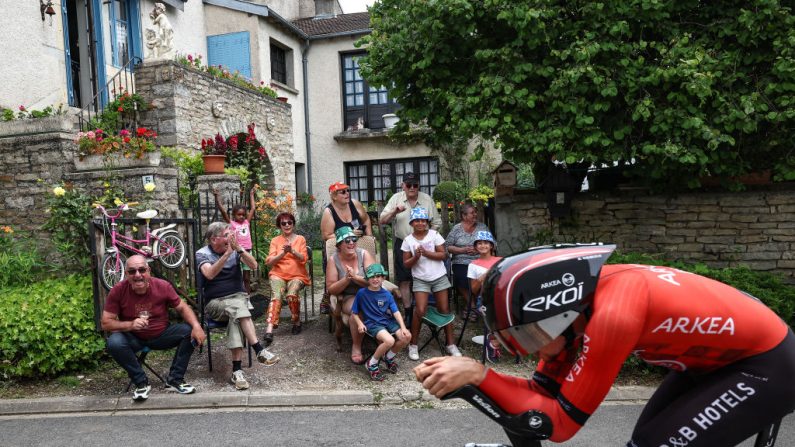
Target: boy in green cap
382,320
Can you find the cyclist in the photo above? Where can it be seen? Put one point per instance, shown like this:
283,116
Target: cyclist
731,358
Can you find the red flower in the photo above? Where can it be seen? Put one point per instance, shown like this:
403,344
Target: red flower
262,152
190,58
120,109
233,142
22,108
126,139
141,131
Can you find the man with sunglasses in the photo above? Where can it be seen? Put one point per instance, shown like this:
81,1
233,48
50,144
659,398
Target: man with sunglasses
398,211
136,315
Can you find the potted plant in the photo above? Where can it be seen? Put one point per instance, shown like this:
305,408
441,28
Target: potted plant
390,120
214,154
98,149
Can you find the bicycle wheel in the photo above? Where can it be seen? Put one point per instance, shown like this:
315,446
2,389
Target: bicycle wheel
111,269
170,249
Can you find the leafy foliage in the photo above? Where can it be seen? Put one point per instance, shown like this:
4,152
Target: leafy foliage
48,328
683,88
245,151
69,211
25,113
768,287
449,192
189,167
119,113
195,62
20,261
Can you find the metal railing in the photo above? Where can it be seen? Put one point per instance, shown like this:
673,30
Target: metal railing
122,81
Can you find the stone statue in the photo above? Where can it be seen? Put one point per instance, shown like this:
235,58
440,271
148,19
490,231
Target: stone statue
160,38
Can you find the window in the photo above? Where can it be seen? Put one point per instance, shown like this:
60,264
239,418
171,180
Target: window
360,100
119,24
377,179
230,50
278,64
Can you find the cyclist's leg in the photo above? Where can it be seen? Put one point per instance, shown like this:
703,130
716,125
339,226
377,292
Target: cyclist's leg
727,406
674,385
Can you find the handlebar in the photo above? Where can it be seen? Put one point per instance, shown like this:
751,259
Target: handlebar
524,429
121,208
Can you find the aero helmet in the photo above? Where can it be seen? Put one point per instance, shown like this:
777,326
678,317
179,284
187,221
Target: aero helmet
533,297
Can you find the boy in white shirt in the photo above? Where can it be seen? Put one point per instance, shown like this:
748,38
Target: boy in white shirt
424,253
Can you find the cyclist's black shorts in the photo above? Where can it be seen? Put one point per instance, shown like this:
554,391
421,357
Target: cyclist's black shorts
722,408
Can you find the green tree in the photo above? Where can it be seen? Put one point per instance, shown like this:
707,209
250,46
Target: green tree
685,88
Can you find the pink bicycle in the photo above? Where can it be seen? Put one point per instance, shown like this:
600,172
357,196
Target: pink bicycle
163,244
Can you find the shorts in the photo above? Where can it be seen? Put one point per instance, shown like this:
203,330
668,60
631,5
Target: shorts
392,327
438,284
401,272
230,308
460,280
243,265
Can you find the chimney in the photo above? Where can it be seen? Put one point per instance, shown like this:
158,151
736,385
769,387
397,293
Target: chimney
324,8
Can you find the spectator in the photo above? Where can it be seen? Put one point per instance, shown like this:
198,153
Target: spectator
397,211
136,315
343,211
424,253
382,320
476,272
241,223
219,263
461,245
287,261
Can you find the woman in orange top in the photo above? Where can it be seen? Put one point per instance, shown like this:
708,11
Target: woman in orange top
287,262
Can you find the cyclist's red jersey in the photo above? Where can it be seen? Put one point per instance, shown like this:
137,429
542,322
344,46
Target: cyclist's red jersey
665,316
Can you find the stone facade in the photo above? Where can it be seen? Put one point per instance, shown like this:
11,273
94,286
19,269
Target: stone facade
190,105
755,228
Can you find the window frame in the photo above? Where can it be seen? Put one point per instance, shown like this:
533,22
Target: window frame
278,66
371,111
397,167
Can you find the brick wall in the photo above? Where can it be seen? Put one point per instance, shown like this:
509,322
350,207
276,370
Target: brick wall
754,228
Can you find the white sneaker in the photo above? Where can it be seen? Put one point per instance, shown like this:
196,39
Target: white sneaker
238,380
267,357
141,392
414,352
453,350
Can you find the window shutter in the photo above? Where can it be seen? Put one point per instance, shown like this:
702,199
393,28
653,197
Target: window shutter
230,50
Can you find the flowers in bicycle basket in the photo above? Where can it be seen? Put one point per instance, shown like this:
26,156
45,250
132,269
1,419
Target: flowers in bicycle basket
126,143
218,145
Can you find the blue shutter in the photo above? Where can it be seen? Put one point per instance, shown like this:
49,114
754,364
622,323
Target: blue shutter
230,50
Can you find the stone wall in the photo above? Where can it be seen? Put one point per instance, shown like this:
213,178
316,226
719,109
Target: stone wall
755,228
190,105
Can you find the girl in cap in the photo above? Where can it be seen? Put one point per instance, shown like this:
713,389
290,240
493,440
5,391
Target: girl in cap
424,253
476,272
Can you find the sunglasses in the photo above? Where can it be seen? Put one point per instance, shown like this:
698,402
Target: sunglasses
413,186
350,240
284,223
140,270
344,191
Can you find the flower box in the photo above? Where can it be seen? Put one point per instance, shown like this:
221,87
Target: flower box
116,161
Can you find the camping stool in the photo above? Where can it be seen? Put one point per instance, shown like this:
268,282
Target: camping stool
142,360
436,321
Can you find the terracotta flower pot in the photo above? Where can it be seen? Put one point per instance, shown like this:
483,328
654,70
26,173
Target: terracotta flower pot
282,99
213,164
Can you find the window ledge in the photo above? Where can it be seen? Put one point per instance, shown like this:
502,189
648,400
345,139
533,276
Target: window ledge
284,87
384,133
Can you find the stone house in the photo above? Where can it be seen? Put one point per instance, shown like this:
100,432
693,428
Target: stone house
305,48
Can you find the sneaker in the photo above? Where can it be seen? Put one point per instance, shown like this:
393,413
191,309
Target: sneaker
267,357
391,365
414,352
453,350
375,373
141,392
493,353
267,339
238,380
296,329
179,386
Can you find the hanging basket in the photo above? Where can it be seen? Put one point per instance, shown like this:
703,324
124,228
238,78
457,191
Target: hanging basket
213,164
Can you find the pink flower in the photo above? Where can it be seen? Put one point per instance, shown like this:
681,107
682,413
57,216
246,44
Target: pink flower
190,58
90,134
124,132
22,108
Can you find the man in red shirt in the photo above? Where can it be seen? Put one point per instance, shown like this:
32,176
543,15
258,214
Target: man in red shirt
731,358
136,314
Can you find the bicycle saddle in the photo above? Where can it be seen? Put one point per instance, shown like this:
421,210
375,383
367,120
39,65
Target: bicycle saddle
148,214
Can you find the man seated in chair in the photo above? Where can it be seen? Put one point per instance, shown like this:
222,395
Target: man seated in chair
225,296
136,314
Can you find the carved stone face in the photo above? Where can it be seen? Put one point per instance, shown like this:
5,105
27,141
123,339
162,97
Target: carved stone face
218,109
270,123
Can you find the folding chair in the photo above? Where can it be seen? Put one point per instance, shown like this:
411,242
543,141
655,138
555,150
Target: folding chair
142,360
209,324
436,322
310,267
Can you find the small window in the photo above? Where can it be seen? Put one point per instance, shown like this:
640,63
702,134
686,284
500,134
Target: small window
362,101
278,64
119,24
377,179
232,51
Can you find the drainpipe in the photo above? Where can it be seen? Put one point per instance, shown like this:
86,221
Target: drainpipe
307,135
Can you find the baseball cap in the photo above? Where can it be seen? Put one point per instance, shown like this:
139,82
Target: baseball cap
336,186
375,269
342,233
411,178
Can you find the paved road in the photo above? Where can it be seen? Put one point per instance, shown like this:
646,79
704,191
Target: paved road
610,426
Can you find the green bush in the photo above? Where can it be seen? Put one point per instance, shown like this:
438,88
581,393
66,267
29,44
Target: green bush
449,192
769,288
47,328
69,211
20,260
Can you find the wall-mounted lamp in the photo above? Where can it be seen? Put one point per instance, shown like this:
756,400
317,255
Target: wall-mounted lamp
46,8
